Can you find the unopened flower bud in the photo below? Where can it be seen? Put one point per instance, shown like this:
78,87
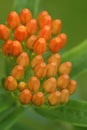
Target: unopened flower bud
25,96
34,84
31,27
23,59
40,46
38,98
13,20
54,98
4,32
37,60
64,96
10,83
25,16
54,58
22,85
63,81
15,48
41,15
31,41
17,72
46,20
56,26
51,69
54,45
40,70
63,38
6,47
45,32
50,85
12,48
20,33
72,86
65,68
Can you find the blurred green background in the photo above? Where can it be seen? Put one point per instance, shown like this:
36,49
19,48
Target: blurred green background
73,14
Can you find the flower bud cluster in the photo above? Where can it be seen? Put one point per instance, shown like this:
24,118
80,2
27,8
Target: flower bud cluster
30,39
36,33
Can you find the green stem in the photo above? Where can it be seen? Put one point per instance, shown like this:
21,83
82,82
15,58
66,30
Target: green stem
36,7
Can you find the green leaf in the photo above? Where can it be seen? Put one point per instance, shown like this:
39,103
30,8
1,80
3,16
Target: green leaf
30,4
6,112
78,57
4,103
10,116
74,112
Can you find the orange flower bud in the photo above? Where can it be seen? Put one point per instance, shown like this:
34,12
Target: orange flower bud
38,98
6,47
46,20
63,81
36,60
54,45
63,38
41,15
15,48
64,96
4,32
10,83
54,58
54,98
56,26
40,70
31,41
13,20
72,86
22,85
25,96
18,72
65,68
50,85
23,59
45,32
51,69
25,16
20,33
34,84
31,26
40,46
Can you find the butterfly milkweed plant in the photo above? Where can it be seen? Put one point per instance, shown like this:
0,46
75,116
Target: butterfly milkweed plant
36,75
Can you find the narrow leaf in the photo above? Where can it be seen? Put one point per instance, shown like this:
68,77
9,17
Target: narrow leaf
6,112
78,57
10,118
74,112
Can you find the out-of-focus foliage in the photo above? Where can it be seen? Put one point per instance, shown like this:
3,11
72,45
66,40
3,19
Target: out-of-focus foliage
74,17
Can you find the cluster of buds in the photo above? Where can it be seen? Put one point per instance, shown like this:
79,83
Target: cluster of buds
50,81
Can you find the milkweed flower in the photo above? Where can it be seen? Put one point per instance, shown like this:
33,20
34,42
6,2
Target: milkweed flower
22,85
4,32
34,84
25,96
25,16
23,59
13,20
38,74
38,98
20,33
50,85
10,83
